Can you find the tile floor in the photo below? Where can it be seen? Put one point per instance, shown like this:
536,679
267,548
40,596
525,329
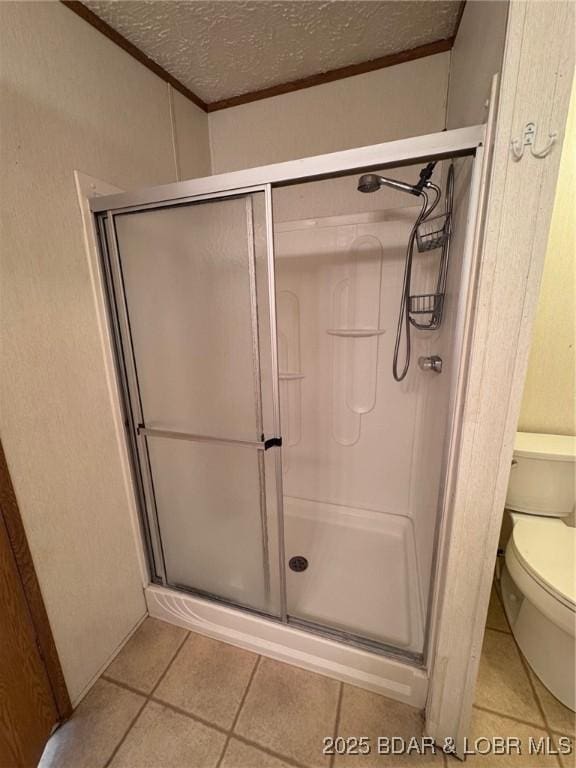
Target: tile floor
511,701
174,699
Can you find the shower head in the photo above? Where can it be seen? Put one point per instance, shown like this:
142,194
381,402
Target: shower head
371,182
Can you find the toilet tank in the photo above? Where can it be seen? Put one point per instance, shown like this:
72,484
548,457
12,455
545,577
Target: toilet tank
542,478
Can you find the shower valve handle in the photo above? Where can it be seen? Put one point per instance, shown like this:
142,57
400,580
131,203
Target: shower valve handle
432,363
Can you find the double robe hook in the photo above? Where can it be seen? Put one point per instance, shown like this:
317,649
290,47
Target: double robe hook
529,140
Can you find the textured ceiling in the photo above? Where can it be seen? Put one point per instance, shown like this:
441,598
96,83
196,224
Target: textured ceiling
224,48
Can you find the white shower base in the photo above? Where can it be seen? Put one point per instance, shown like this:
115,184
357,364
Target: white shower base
362,572
390,677
382,568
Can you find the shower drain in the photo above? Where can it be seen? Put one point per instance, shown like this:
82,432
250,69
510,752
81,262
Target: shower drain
298,563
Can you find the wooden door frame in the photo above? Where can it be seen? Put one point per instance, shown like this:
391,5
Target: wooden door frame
31,587
535,87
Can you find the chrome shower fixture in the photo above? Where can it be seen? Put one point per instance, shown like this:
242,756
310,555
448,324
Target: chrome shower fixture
371,182
422,311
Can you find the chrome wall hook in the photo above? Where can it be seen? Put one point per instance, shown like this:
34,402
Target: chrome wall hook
528,139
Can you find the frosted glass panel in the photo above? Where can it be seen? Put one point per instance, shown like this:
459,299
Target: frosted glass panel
213,533
187,285
195,284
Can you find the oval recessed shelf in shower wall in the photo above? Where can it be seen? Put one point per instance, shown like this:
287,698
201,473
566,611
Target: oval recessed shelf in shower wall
355,330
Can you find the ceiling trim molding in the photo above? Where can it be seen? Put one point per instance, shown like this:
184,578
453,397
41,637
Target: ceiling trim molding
391,60
400,57
85,13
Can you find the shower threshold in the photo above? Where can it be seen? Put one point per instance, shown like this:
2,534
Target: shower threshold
386,672
357,641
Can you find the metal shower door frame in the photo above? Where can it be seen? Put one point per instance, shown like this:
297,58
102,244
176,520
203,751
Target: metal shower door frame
453,143
136,431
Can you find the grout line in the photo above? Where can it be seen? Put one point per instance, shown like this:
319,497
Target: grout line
508,716
196,718
529,674
229,733
237,715
523,661
337,721
532,687
268,751
521,722
163,675
245,695
537,698
147,698
120,684
190,715
556,732
208,724
127,731
496,629
526,668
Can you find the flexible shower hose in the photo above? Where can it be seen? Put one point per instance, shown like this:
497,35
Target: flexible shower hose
404,315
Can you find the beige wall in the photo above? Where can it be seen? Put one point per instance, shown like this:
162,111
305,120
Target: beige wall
71,99
476,56
393,103
192,143
548,404
549,392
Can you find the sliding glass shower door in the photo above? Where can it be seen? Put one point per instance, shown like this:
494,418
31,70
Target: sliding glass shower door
192,293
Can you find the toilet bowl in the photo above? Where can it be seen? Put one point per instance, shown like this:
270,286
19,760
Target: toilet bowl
538,580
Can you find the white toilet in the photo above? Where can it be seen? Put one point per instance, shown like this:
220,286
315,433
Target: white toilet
539,579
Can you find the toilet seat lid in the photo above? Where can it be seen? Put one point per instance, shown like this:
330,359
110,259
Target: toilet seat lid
546,548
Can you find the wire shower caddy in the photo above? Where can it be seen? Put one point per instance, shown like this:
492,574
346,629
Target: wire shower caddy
425,309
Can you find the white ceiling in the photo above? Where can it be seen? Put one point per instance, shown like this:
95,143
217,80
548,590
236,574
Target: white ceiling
224,48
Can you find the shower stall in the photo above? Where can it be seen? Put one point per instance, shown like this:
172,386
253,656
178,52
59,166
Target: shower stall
291,488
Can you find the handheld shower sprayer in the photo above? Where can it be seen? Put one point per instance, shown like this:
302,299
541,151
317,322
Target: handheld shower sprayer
372,182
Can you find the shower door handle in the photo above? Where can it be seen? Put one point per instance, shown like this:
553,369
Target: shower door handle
259,445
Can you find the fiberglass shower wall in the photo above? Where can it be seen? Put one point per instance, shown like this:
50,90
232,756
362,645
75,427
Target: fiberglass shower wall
362,454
